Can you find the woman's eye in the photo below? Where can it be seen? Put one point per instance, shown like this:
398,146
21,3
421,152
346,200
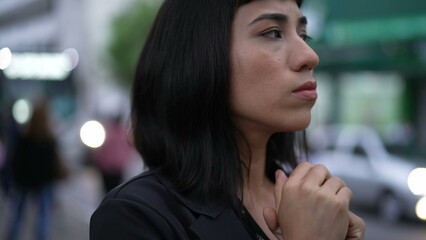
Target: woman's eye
276,33
306,37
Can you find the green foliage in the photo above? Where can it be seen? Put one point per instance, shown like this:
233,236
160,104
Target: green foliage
129,31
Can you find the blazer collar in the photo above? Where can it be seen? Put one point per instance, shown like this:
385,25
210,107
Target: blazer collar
211,207
216,221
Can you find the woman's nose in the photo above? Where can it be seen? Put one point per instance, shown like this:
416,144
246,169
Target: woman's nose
303,57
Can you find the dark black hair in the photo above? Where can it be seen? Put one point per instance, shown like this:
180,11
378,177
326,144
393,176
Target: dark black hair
181,104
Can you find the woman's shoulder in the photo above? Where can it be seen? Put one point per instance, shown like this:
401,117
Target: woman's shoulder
148,206
140,207
147,188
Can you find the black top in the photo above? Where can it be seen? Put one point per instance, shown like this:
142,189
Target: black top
251,225
149,207
33,162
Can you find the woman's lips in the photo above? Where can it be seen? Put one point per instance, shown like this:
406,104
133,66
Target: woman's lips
307,90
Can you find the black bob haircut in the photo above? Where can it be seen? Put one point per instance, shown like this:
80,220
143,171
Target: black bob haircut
181,105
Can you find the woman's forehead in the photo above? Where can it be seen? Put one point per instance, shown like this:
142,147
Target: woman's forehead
254,9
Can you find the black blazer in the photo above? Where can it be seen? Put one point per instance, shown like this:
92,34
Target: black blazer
149,207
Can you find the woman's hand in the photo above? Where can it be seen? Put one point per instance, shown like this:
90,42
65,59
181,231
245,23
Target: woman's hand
312,204
356,229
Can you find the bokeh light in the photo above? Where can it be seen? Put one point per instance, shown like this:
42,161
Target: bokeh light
421,209
416,181
92,134
21,111
72,55
5,58
39,66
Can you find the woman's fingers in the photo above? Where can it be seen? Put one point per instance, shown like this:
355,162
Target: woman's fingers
270,218
312,196
317,175
300,171
269,213
334,185
345,192
280,180
356,229
310,175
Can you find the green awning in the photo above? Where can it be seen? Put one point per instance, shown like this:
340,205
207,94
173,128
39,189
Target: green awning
371,9
375,30
372,35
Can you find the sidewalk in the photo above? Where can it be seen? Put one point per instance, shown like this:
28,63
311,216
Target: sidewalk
76,199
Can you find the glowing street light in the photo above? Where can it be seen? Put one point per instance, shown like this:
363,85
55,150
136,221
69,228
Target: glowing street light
92,134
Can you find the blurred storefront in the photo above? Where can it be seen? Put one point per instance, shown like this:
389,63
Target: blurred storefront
56,52
382,44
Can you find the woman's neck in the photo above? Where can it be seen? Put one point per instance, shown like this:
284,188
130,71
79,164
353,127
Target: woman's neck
253,153
257,188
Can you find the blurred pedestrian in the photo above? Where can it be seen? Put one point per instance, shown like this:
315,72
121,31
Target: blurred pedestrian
2,162
113,156
35,165
12,132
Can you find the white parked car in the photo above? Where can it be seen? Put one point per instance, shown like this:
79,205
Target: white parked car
393,186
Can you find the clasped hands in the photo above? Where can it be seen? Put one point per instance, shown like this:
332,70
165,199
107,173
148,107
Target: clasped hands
312,204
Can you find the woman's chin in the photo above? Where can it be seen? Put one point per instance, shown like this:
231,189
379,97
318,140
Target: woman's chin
297,125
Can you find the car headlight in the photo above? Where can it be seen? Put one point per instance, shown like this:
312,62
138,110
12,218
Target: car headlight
416,181
421,209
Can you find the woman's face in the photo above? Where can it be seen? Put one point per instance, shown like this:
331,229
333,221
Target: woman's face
272,84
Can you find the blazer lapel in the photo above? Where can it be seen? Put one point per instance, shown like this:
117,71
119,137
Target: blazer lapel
216,220
225,226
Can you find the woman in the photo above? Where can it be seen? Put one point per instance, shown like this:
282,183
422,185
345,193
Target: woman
35,167
220,89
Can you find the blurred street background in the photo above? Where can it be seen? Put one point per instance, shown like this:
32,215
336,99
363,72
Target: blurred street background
75,59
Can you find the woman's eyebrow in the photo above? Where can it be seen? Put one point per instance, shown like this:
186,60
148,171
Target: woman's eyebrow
279,17
303,20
